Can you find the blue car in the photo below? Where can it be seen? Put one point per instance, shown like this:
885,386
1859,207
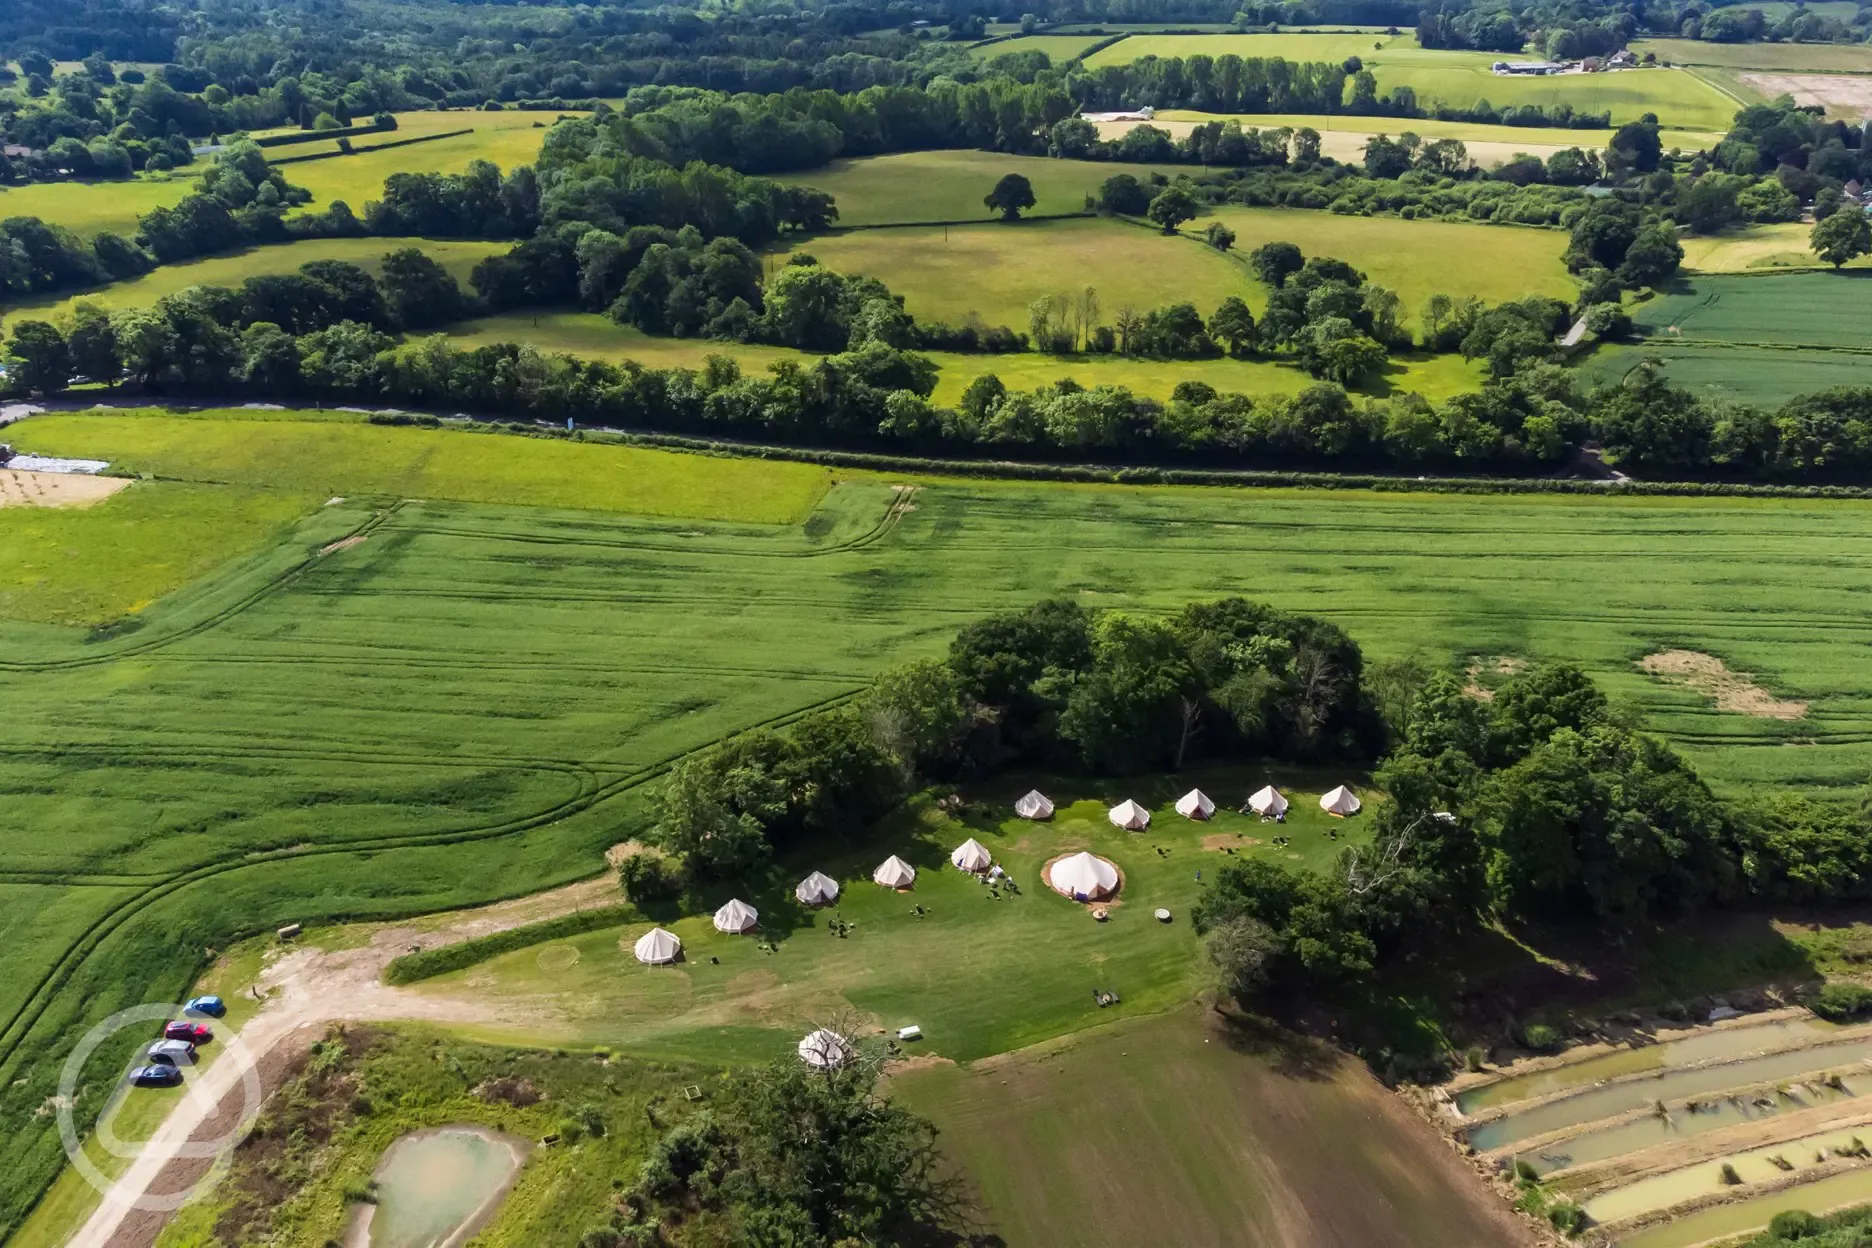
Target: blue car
155,1077
213,1007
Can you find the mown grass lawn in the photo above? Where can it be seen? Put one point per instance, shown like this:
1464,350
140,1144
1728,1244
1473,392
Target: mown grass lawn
981,973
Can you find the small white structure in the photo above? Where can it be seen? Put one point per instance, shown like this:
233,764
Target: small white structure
817,889
1130,816
1161,915
825,1050
658,947
1268,803
894,872
912,1032
1195,804
1341,801
737,917
1084,877
1036,805
972,855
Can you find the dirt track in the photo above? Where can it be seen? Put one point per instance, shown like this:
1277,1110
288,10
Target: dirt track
306,990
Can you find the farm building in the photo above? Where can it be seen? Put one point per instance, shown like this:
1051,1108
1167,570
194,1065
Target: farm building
1136,114
1527,67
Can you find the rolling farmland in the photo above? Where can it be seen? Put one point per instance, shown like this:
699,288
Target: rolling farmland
949,185
467,701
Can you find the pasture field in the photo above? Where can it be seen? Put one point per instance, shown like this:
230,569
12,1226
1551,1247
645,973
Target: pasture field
457,256
1755,339
996,270
1782,245
88,208
587,334
1058,48
466,704
1811,58
1144,1132
949,186
1292,47
964,969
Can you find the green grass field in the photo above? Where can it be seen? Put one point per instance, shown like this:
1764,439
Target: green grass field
1185,1130
984,993
458,257
949,186
1756,339
1783,245
1330,47
1810,58
467,703
88,208
587,334
1059,48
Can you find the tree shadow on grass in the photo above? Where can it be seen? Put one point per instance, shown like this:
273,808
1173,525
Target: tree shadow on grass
1286,1052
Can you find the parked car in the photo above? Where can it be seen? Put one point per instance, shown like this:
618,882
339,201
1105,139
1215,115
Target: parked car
156,1076
172,1053
213,1007
194,1033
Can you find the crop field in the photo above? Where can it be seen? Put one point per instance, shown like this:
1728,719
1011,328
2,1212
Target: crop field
1058,48
466,703
962,969
587,334
458,257
912,187
1845,97
1179,1130
357,179
1812,58
1757,339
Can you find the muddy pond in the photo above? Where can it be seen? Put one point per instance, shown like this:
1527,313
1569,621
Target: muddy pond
436,1188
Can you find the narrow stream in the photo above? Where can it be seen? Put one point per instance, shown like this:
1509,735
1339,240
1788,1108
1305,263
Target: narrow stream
1644,1132
1688,1051
1670,1087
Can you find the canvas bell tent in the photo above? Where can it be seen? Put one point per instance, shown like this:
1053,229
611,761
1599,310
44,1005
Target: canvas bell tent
1036,805
825,1050
1268,802
737,916
1341,801
817,889
972,855
657,946
1130,816
894,872
1084,877
1195,804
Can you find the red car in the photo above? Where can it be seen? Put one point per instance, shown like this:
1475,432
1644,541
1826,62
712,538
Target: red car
194,1033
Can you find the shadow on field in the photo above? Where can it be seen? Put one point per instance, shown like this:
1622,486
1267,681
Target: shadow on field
1286,1052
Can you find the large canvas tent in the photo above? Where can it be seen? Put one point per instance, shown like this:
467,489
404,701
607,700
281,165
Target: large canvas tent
657,946
1341,801
825,1050
817,889
1130,816
1195,804
1269,802
737,916
1036,805
894,872
972,855
1084,877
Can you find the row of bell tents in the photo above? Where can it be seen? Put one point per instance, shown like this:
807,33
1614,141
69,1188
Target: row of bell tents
1081,875
1194,804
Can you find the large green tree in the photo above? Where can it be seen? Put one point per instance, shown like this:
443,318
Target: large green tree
1009,196
1841,237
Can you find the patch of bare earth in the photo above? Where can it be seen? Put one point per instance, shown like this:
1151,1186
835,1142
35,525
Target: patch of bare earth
55,489
1494,667
1839,93
1730,691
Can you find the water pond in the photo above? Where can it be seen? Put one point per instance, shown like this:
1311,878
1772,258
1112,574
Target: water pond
1722,1221
436,1188
1629,1137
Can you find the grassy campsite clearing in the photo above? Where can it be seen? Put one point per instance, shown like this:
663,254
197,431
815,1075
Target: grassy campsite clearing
951,955
912,187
